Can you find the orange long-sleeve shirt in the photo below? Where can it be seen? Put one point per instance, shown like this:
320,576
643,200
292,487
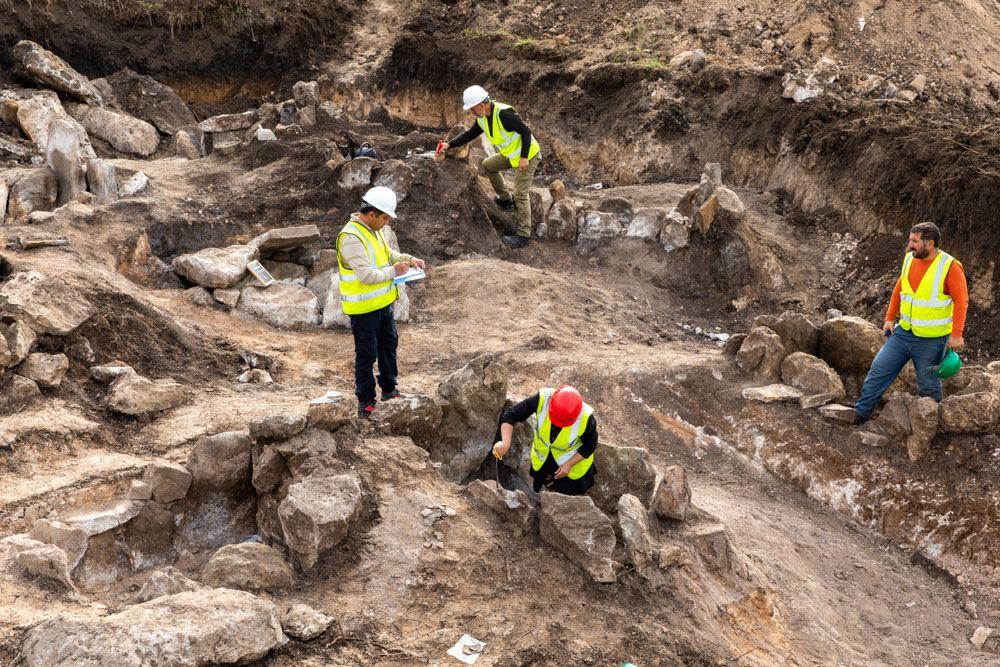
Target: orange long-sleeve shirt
954,286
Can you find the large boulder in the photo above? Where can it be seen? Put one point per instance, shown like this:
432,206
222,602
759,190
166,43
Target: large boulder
797,332
54,72
417,417
969,413
133,394
285,238
675,232
671,495
203,627
514,507
249,565
333,311
36,114
646,224
397,176
761,354
216,267
47,370
622,470
811,374
581,532
282,305
356,173
560,221
277,427
317,514
230,122
315,445
123,132
146,98
65,160
473,398
33,190
849,344
598,228
306,93
47,306
46,560
634,525
221,462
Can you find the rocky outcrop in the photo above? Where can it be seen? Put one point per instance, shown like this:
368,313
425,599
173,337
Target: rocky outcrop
203,627
250,565
317,514
761,354
281,305
849,344
123,132
581,532
472,399
54,72
622,470
811,374
216,267
46,306
969,413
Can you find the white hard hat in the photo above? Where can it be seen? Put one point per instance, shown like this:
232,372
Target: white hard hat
383,199
473,95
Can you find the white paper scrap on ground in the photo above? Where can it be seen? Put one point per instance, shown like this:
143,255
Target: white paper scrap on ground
412,274
467,649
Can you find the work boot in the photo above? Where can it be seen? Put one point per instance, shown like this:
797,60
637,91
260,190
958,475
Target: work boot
860,420
505,204
516,241
366,409
391,395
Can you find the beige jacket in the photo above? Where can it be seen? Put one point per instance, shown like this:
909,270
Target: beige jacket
354,256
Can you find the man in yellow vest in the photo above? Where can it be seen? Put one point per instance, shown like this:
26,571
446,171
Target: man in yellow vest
931,299
516,149
565,439
367,291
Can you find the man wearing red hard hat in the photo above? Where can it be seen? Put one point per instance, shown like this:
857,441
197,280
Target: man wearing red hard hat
565,438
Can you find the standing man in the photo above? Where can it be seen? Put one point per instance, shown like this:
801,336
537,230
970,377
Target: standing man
367,292
562,454
517,149
931,299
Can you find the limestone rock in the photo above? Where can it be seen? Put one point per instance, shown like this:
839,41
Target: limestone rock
314,445
797,332
134,185
560,222
97,520
635,534
221,462
397,176
772,393
305,623
269,468
108,373
16,392
762,353
47,561
646,224
63,155
133,394
123,132
227,297
249,565
36,114
203,627
705,214
306,93
356,173
5,355
229,122
47,370
185,147
169,481
168,581
622,470
473,398
849,344
675,232
969,413
285,238
199,296
838,413
333,312
980,636
277,427
20,341
147,99
102,180
810,374
580,531
817,400
139,490
671,495
47,306
317,513
282,305
54,72
598,229
216,267
541,202
417,417
514,507
4,191
332,410
72,540
34,190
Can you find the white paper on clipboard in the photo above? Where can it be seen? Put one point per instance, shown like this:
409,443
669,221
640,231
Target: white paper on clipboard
260,273
409,276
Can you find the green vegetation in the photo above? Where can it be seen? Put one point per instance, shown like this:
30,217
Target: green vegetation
651,63
523,42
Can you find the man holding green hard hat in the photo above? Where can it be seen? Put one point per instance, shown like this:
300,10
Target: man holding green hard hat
931,299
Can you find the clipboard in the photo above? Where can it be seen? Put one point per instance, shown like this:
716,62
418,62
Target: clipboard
260,273
411,275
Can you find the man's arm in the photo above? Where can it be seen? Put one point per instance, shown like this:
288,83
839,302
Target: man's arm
516,413
466,136
956,287
893,312
513,123
588,443
355,257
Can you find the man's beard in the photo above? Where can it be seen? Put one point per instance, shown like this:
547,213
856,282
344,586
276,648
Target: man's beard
922,253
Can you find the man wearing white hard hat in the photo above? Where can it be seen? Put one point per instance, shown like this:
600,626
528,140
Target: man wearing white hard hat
517,149
367,267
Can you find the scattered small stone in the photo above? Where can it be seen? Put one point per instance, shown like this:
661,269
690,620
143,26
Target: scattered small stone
772,393
136,184
837,413
305,623
980,636
255,376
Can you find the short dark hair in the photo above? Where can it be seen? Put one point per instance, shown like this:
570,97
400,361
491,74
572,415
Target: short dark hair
368,208
927,230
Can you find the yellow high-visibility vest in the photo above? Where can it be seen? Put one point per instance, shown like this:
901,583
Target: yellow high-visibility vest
508,143
566,444
356,297
928,312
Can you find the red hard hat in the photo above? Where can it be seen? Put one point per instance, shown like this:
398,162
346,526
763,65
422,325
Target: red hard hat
565,406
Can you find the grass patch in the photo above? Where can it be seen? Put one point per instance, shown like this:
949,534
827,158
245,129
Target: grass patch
651,63
522,42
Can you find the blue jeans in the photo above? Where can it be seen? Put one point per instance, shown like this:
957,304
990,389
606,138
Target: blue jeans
375,339
899,348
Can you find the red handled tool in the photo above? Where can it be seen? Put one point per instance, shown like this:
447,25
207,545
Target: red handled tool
438,150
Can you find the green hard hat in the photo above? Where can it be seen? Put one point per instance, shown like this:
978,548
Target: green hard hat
949,366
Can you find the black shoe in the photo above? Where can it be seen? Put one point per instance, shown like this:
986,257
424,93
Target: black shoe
505,204
859,420
366,409
391,395
516,241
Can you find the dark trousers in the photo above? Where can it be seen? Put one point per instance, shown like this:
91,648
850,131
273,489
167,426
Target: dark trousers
375,339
